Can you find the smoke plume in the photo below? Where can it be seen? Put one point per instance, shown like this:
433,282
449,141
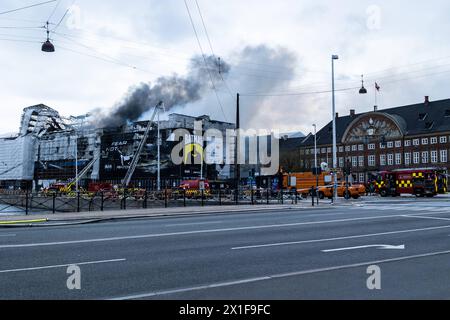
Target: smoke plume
174,91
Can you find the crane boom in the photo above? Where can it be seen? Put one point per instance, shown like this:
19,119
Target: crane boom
126,180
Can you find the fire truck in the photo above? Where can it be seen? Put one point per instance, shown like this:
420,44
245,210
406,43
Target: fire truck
422,182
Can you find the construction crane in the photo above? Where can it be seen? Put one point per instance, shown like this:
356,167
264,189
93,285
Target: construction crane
126,180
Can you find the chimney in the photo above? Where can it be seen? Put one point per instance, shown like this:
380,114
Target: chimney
375,109
427,101
337,115
352,113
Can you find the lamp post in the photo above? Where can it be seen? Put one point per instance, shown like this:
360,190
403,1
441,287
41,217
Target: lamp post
334,57
76,163
315,161
159,153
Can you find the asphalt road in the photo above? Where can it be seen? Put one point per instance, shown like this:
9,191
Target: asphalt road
298,254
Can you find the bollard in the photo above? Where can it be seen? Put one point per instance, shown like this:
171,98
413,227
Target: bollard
145,199
220,196
26,203
267,196
184,197
203,198
165,198
251,192
124,200
282,200
54,202
78,201
102,199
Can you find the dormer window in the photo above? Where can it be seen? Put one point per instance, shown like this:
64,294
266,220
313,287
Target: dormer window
422,116
447,113
429,125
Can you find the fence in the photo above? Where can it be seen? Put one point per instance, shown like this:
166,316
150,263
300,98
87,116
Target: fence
30,203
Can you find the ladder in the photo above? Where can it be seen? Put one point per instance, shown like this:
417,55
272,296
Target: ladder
83,172
126,180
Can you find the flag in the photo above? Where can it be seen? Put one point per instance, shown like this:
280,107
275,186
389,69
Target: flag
377,86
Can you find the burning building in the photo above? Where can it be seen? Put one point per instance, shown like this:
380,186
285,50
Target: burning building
50,148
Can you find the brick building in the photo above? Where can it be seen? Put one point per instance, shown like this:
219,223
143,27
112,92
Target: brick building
410,136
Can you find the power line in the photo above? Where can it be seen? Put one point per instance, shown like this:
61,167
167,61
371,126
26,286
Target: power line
54,10
294,93
211,47
27,7
62,19
204,59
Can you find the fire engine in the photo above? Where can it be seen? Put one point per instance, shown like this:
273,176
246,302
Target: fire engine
419,182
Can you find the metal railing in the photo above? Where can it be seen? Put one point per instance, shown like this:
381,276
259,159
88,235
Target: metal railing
20,202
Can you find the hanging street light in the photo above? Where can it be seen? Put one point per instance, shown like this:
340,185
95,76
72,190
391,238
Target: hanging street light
362,90
47,46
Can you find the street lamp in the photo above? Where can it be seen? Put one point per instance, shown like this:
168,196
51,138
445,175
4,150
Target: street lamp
362,90
315,158
334,57
47,46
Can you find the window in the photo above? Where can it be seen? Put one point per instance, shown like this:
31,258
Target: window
371,161
398,159
371,146
307,151
444,156
416,157
382,146
443,139
407,143
434,157
354,161
422,116
347,148
341,149
361,147
324,150
362,177
416,142
390,159
329,150
354,147
382,160
433,140
341,162
425,157
407,158
424,141
390,144
361,161
398,144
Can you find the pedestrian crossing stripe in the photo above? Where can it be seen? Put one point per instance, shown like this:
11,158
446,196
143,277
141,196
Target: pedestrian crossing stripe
405,208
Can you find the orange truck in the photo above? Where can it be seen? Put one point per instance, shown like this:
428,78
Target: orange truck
303,181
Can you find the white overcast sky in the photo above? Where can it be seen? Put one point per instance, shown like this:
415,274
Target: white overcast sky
273,46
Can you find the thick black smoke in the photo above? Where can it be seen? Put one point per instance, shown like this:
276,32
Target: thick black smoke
174,91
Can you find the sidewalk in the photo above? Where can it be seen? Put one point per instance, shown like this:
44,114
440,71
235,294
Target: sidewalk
93,216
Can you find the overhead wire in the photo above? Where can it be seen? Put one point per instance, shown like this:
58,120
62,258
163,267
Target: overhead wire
27,7
204,59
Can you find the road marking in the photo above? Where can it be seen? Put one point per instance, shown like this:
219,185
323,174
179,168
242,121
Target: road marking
8,235
338,238
422,217
62,265
378,246
193,224
160,235
277,276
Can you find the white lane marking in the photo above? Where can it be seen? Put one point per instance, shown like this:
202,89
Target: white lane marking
422,217
62,265
193,224
8,235
279,244
159,235
278,276
378,246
